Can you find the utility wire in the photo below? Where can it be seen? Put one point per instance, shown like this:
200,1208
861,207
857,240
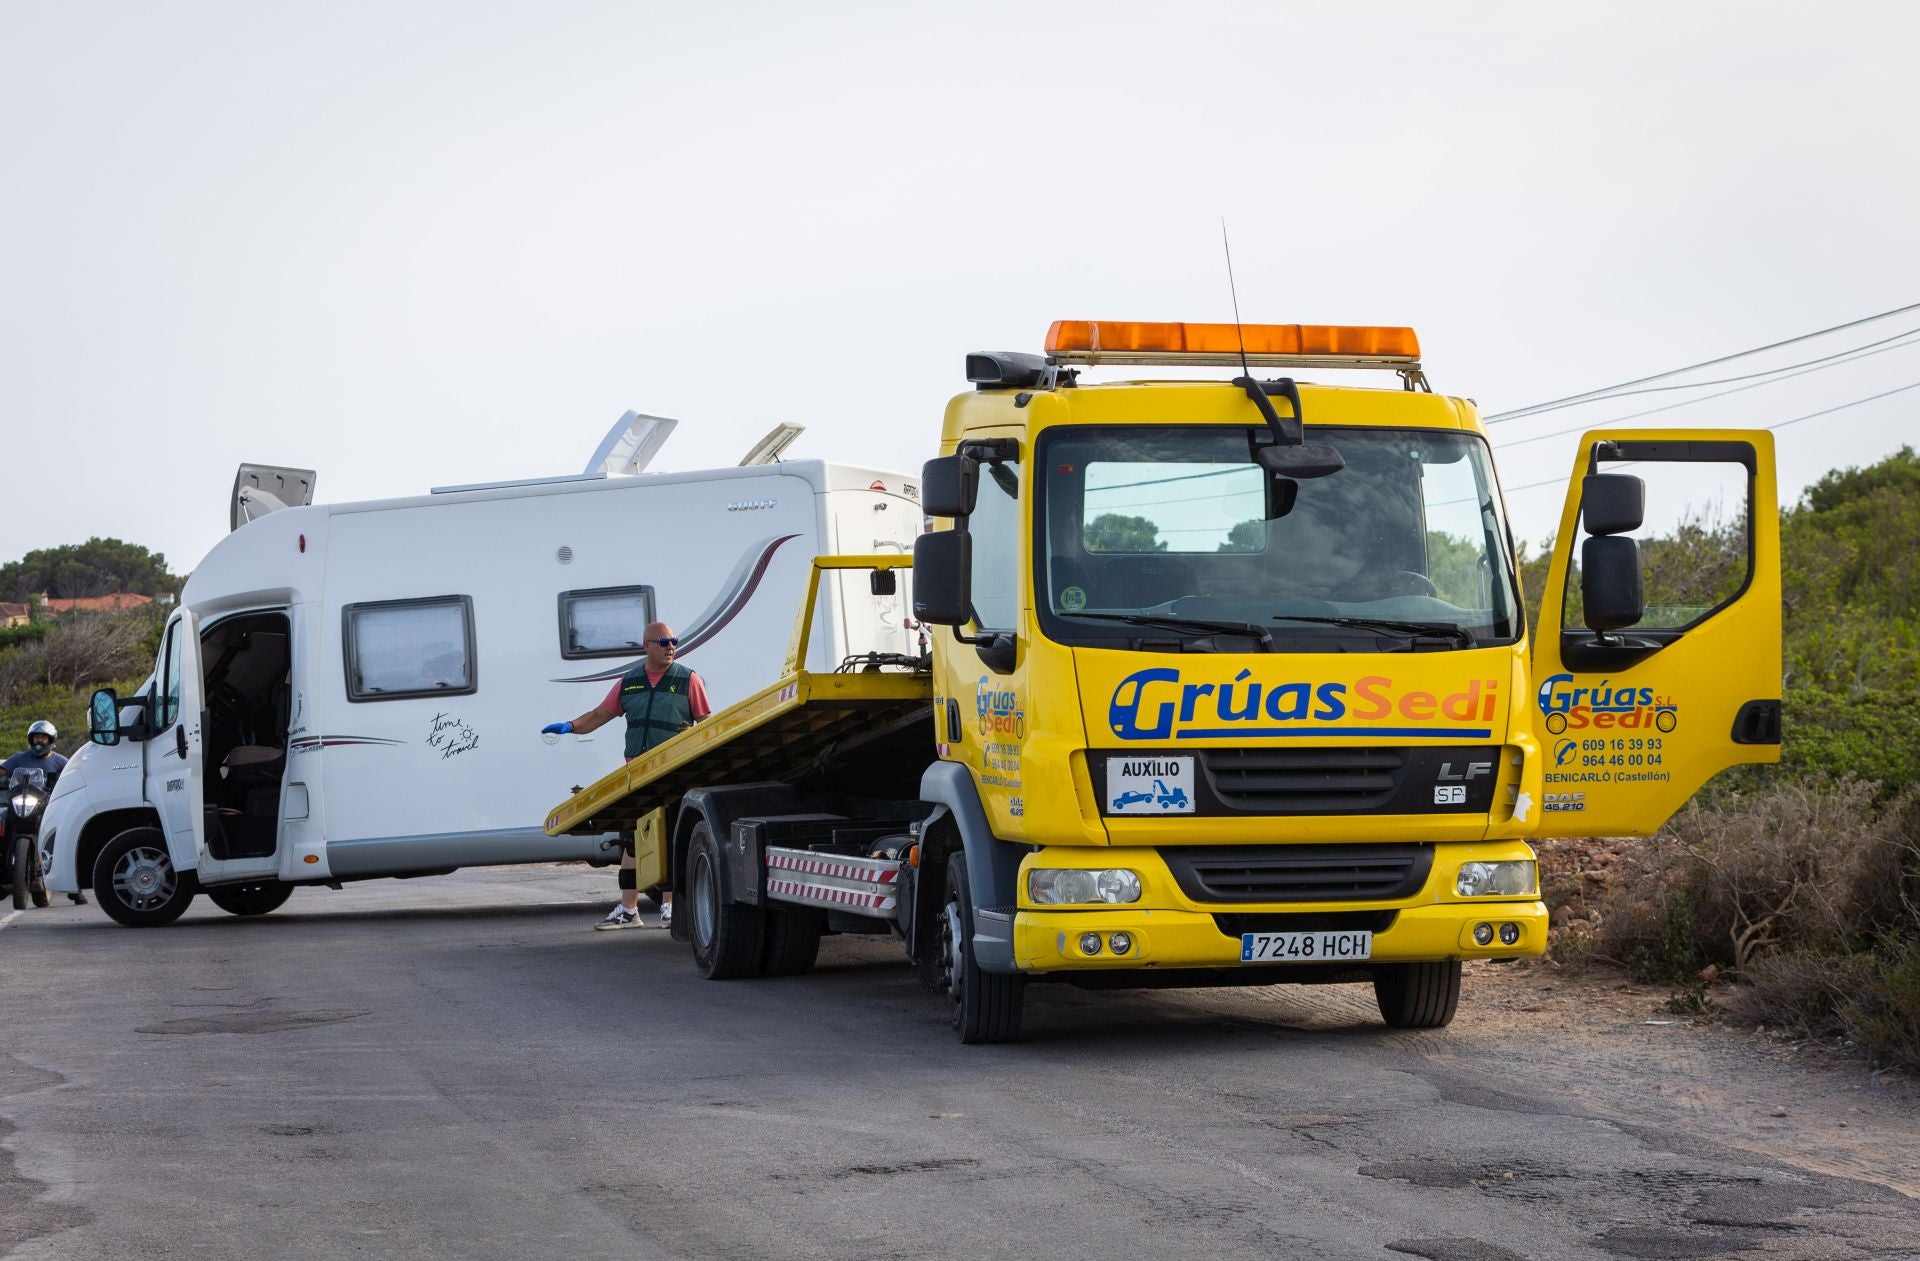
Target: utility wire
1607,391
1825,411
1818,366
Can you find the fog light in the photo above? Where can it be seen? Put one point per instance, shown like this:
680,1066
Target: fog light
1121,943
1509,933
1089,943
1483,934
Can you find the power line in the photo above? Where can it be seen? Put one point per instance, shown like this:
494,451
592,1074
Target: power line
1605,391
1858,353
1825,411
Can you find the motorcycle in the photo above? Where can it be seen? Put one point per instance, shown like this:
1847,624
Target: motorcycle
26,801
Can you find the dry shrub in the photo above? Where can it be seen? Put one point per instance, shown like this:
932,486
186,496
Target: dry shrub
1807,868
74,653
1802,994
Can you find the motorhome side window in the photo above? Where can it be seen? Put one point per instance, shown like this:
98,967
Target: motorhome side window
401,648
605,621
169,707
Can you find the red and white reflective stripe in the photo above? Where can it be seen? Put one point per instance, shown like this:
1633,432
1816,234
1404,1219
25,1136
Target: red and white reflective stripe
788,692
874,871
828,893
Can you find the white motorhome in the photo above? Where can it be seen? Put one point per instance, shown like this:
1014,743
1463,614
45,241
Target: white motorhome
356,690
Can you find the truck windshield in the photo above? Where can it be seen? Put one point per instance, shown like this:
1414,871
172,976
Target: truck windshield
1143,528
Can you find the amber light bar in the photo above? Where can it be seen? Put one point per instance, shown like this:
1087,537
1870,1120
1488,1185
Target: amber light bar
1293,345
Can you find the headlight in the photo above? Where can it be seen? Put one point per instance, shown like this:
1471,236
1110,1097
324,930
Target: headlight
1049,886
1487,880
25,804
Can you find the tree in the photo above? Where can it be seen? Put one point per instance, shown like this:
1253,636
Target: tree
1113,532
1246,536
95,567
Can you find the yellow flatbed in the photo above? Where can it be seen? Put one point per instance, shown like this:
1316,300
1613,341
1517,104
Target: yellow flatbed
775,734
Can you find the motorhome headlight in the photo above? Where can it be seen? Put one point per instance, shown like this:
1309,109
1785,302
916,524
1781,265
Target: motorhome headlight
1053,886
1491,880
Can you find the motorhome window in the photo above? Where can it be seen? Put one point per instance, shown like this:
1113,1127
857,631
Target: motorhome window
605,621
1180,523
169,706
401,648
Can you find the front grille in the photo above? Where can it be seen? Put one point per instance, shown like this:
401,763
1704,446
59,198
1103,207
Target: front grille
1306,922
1304,781
1300,873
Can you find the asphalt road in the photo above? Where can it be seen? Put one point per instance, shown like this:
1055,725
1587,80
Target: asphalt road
457,1067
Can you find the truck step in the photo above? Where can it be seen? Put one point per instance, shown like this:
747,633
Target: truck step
835,882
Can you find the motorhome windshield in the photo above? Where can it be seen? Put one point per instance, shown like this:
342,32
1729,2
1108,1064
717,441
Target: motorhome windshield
1140,528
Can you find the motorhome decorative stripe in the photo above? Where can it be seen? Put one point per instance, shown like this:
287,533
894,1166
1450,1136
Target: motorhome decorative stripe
827,893
744,581
328,742
878,871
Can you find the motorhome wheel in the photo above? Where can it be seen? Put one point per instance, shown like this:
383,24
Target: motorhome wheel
136,882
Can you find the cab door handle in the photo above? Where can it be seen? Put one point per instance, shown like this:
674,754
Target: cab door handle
180,740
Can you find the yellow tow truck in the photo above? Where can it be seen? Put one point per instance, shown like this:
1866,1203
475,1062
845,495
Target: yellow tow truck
1235,686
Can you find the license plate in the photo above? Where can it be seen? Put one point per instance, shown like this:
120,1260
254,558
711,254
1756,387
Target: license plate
1305,947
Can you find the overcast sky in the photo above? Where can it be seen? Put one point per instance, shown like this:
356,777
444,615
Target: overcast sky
418,244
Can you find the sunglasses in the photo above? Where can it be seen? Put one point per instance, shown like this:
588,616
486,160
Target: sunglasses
666,643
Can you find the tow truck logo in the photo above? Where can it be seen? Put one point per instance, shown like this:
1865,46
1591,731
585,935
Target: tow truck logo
1603,707
1156,704
999,710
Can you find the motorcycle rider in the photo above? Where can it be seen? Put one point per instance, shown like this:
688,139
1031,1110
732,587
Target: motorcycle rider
39,756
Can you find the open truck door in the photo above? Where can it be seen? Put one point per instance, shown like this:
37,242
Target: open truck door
176,776
1657,662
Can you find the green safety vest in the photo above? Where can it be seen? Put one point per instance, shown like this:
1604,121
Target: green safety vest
655,711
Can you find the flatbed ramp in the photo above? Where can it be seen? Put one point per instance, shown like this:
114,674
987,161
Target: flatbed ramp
776,734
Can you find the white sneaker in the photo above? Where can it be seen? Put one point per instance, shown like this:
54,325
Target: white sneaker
666,915
620,917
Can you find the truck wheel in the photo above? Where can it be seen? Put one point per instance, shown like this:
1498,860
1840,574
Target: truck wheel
982,1006
256,897
1417,995
727,936
136,883
793,941
19,853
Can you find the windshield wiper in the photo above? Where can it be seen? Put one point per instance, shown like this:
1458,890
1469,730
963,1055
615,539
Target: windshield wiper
1392,625
1174,622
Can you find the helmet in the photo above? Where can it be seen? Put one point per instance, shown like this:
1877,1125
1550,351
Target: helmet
42,728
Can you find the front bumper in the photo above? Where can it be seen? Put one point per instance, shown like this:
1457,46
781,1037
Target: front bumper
1170,931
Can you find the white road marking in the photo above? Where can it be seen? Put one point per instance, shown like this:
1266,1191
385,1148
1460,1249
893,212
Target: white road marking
9,917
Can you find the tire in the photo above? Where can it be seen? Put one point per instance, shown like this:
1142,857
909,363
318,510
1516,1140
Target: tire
792,941
19,859
136,883
1417,995
256,897
981,1006
727,937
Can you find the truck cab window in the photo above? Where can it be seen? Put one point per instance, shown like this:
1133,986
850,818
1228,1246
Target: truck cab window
995,526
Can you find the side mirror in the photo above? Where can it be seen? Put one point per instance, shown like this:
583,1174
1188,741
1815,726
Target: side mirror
1610,582
943,576
1612,503
882,582
949,486
103,717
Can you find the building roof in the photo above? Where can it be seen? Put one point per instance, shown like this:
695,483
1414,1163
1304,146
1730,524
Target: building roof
119,602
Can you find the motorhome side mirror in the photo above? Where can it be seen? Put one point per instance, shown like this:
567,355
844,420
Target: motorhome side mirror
882,582
1612,503
943,577
1610,583
103,717
949,486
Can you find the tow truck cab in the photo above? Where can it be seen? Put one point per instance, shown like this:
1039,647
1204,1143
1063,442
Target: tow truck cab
1241,670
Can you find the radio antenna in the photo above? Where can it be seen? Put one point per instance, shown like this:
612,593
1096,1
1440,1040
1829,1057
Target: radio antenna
1234,291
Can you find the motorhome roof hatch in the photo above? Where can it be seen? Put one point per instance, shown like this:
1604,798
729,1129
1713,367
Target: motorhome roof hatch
262,488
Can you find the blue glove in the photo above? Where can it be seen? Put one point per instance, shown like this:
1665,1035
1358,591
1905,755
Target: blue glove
556,729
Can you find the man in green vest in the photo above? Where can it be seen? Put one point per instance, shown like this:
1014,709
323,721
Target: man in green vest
659,698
